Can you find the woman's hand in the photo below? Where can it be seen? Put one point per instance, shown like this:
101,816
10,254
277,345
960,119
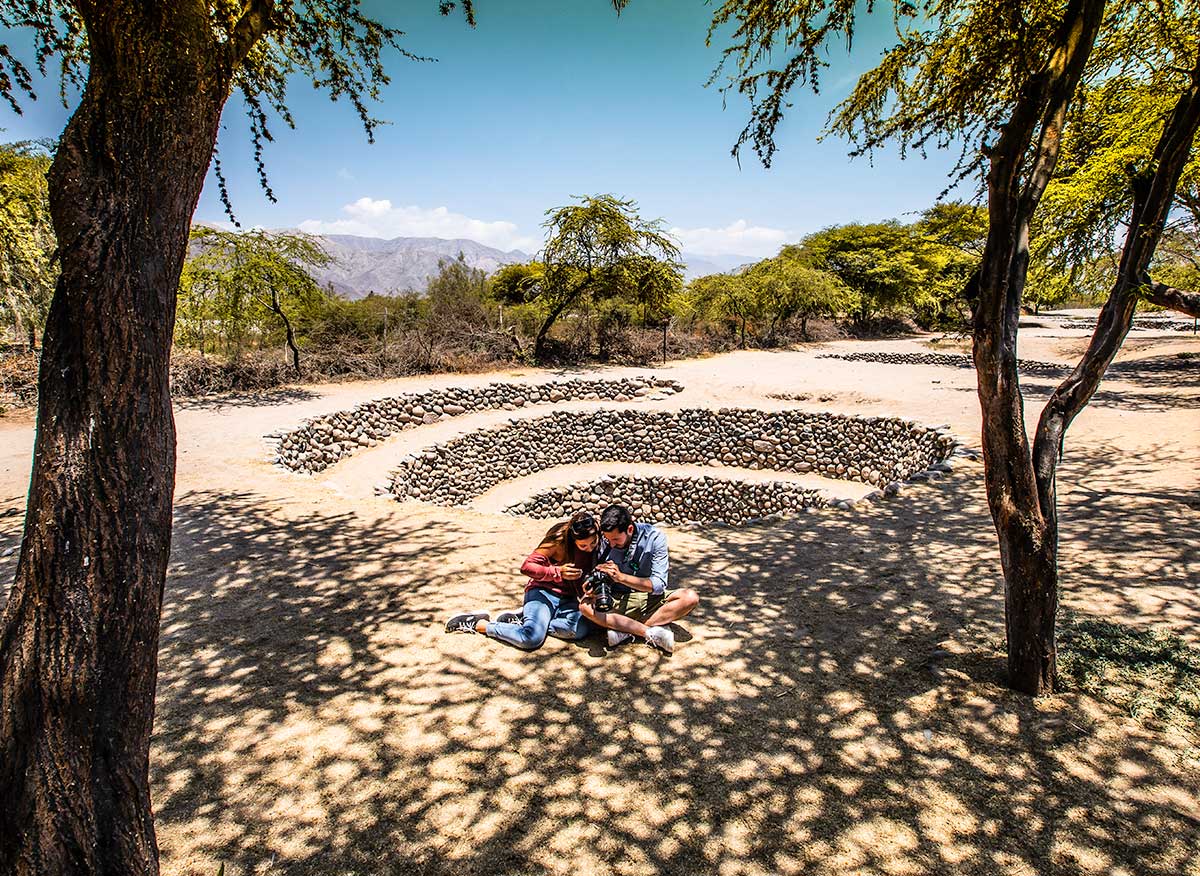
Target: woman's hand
570,572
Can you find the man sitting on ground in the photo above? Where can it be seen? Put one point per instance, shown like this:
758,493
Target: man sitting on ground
634,555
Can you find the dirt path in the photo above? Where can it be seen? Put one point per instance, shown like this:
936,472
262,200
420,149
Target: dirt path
834,705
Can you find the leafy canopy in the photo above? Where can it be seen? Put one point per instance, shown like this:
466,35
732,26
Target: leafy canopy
331,43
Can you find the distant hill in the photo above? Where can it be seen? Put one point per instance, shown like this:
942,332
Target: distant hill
404,264
703,265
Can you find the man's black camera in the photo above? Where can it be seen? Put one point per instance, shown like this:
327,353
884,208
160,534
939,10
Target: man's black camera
601,587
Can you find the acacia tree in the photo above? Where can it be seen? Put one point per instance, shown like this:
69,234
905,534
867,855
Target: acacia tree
786,288
591,251
1112,130
728,297
1006,76
79,636
245,276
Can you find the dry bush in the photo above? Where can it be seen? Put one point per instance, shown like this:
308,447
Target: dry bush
18,379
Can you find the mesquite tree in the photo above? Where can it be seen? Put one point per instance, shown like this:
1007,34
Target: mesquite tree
79,637
1004,80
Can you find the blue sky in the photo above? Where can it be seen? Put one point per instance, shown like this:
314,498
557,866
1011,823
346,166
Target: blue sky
542,101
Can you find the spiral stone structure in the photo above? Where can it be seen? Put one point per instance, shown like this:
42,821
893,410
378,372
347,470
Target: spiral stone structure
321,441
881,451
675,500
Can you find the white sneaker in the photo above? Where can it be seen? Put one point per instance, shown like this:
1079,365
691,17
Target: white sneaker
661,639
616,637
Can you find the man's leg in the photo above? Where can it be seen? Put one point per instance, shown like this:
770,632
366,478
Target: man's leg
540,606
675,604
613,621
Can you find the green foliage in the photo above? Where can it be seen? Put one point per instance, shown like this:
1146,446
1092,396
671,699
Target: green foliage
786,288
597,250
331,43
241,288
28,270
1151,674
727,298
887,265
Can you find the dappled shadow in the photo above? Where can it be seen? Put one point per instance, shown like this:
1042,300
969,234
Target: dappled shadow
1136,400
1159,371
265,398
836,710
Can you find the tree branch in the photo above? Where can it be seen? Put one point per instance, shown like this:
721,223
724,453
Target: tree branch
254,21
1148,217
1172,298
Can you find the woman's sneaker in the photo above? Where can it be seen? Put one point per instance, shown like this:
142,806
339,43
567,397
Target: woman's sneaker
661,639
510,617
465,623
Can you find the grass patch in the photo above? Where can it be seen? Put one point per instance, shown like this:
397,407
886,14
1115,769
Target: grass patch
1151,674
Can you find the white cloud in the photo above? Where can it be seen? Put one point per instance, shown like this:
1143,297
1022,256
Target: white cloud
368,217
738,238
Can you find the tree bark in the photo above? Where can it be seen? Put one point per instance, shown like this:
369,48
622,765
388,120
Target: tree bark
1021,164
1174,299
79,638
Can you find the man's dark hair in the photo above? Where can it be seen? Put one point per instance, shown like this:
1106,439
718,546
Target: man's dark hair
615,517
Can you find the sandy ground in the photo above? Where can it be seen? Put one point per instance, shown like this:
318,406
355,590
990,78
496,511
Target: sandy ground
835,705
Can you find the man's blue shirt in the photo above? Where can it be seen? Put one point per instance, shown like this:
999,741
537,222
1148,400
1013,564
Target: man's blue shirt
644,556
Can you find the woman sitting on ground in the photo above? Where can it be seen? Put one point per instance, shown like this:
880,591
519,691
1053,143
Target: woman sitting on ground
556,570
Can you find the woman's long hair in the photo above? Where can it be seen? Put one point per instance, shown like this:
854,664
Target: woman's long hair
564,539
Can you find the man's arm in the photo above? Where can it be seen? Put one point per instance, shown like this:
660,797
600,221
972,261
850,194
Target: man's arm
659,563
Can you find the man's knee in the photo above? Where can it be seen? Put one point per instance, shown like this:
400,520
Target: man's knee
687,600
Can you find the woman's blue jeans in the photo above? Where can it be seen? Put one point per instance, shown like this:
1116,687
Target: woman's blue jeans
544,613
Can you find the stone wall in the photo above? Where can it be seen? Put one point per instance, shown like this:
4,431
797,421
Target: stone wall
874,450
321,441
675,500
953,360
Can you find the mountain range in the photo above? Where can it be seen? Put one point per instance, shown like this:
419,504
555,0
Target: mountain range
363,265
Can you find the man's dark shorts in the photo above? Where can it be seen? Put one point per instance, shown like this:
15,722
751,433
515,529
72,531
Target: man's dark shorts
640,605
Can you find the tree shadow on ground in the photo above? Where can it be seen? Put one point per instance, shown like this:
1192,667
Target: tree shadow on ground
839,708
1136,400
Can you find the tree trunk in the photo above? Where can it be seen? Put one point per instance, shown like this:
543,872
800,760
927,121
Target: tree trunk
539,343
79,638
1023,509
289,334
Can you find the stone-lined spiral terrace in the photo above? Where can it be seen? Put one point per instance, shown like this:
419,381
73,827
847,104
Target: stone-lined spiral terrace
875,450
675,500
321,441
953,360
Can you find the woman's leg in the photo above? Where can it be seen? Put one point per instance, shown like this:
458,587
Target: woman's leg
569,622
540,606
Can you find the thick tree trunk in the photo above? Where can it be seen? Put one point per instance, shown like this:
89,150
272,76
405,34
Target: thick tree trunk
539,343
79,639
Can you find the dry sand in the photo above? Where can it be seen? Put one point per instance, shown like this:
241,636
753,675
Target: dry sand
835,705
